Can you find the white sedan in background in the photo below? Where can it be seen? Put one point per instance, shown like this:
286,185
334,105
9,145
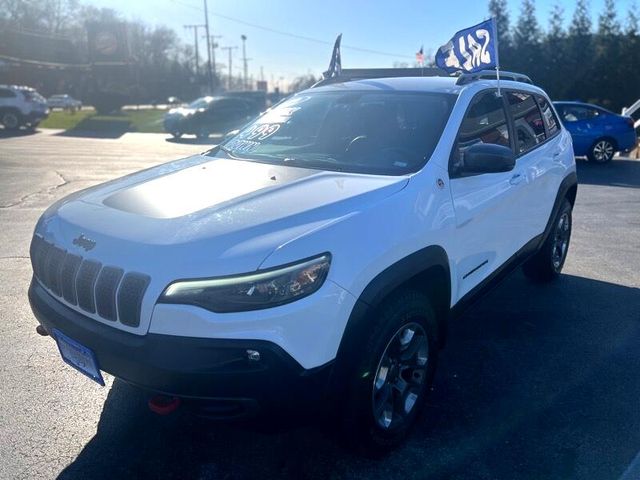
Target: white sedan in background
65,102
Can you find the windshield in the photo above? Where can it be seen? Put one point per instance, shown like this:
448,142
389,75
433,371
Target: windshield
33,95
201,102
390,133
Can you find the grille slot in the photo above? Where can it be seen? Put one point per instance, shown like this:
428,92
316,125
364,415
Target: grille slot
35,251
86,283
106,287
130,298
53,268
108,291
68,277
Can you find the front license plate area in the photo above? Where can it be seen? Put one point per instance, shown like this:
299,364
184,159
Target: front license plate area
78,356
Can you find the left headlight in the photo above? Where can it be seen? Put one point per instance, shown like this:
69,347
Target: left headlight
252,291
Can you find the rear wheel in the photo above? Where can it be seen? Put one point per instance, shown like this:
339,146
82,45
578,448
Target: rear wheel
547,264
388,388
10,120
176,134
602,151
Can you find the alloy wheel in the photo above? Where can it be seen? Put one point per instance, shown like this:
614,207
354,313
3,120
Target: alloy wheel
561,240
603,151
400,376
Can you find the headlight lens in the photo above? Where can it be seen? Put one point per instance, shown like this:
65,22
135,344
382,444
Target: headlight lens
253,291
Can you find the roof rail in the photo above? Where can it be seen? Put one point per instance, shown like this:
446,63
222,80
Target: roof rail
491,75
350,74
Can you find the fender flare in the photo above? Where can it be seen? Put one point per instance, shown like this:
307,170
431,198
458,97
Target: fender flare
424,262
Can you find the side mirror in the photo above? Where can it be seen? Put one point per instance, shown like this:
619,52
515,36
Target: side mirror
488,158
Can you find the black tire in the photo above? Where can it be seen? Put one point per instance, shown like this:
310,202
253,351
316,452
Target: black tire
363,428
602,151
547,263
10,119
176,134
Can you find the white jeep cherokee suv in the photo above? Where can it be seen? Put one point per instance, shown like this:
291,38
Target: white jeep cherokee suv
21,106
314,259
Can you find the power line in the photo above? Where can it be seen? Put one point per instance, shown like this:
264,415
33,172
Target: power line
294,35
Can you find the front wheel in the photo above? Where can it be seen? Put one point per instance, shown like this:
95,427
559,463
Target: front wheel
602,151
388,388
547,264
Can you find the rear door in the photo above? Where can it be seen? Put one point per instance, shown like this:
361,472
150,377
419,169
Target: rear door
487,206
539,150
582,123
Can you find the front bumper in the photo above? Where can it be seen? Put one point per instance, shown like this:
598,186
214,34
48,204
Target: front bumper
198,368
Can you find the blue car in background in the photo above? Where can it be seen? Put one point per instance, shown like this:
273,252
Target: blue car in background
597,133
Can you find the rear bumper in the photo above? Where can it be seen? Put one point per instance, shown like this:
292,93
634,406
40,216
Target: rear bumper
627,141
210,369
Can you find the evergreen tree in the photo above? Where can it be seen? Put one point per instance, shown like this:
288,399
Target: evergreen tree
527,38
498,10
607,76
630,59
608,25
581,22
580,54
555,48
632,27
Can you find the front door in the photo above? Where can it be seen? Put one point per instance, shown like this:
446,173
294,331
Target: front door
487,206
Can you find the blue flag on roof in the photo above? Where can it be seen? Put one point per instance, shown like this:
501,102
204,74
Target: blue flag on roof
470,50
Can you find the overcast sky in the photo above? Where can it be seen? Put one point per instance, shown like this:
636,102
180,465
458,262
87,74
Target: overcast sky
392,30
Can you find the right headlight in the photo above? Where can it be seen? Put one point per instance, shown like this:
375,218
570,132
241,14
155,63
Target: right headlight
252,291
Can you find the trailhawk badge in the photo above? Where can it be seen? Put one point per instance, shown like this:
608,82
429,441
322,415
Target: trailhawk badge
84,242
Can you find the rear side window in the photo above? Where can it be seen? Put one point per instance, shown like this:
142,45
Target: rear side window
484,122
548,116
575,113
527,121
6,93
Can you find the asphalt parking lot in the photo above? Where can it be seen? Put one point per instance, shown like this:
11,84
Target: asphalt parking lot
536,382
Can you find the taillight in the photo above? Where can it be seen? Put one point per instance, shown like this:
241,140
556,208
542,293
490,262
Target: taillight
631,122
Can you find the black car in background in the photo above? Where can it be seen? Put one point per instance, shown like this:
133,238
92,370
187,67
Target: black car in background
208,115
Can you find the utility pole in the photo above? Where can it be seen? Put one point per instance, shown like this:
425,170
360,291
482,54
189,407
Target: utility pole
244,61
214,45
230,49
195,36
206,27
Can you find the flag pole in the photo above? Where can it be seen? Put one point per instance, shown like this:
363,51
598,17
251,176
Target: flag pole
495,37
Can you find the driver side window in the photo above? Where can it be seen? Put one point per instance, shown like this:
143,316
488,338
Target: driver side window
484,122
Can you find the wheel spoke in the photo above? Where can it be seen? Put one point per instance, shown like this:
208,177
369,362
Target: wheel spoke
400,375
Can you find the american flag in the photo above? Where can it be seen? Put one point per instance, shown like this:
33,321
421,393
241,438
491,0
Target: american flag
420,56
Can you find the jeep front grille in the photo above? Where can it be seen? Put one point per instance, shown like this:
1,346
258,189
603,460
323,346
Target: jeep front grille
106,290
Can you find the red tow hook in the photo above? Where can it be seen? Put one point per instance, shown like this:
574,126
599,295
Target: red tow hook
163,404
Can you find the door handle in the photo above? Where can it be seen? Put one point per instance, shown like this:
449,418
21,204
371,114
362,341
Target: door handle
516,179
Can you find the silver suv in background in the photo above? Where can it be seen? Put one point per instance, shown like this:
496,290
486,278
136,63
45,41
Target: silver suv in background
21,107
64,101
